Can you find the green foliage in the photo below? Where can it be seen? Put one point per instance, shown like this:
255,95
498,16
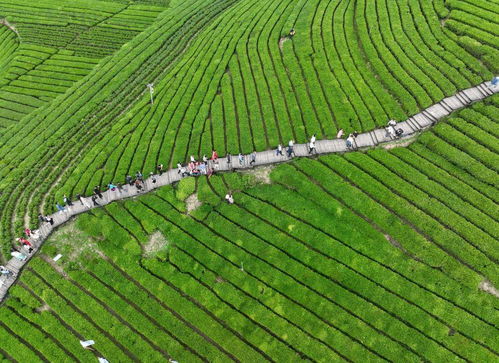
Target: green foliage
185,188
8,45
60,45
302,264
475,26
366,256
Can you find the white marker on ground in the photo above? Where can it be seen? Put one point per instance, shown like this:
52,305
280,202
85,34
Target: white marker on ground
86,343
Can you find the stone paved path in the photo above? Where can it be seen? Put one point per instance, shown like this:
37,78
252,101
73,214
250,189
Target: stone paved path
415,124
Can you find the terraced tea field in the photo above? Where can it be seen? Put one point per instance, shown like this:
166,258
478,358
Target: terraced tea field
385,253
60,44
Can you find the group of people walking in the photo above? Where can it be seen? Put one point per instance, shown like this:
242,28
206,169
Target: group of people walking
206,166
196,168
97,195
392,131
290,151
22,248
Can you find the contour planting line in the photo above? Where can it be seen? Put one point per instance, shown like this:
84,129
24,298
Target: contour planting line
370,139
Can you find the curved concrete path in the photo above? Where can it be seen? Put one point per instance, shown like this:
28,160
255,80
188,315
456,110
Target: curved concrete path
415,124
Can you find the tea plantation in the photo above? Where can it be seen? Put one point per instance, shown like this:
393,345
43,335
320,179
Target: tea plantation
381,254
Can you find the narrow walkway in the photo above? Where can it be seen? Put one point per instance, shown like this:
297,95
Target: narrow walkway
8,25
415,124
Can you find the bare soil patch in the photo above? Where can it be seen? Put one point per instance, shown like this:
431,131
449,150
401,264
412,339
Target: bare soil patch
219,280
192,202
487,286
44,307
73,244
156,243
282,40
261,174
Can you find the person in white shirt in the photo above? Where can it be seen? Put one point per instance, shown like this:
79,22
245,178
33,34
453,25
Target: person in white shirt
350,141
279,150
229,198
290,151
312,147
391,128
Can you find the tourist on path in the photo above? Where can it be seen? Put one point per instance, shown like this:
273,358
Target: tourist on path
192,159
18,255
313,139
159,168
25,243
60,208
391,128
97,191
290,151
196,172
241,159
253,158
138,185
35,234
41,218
350,140
67,201
229,198
27,232
153,178
94,200
205,159
214,156
278,151
191,166
129,180
120,187
229,159
139,176
111,187
182,170
340,134
312,148
49,220
495,81
4,270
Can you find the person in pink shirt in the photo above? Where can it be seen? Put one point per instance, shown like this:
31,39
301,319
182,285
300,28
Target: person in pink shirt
214,157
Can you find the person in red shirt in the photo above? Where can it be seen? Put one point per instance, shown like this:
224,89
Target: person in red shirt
26,243
214,157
